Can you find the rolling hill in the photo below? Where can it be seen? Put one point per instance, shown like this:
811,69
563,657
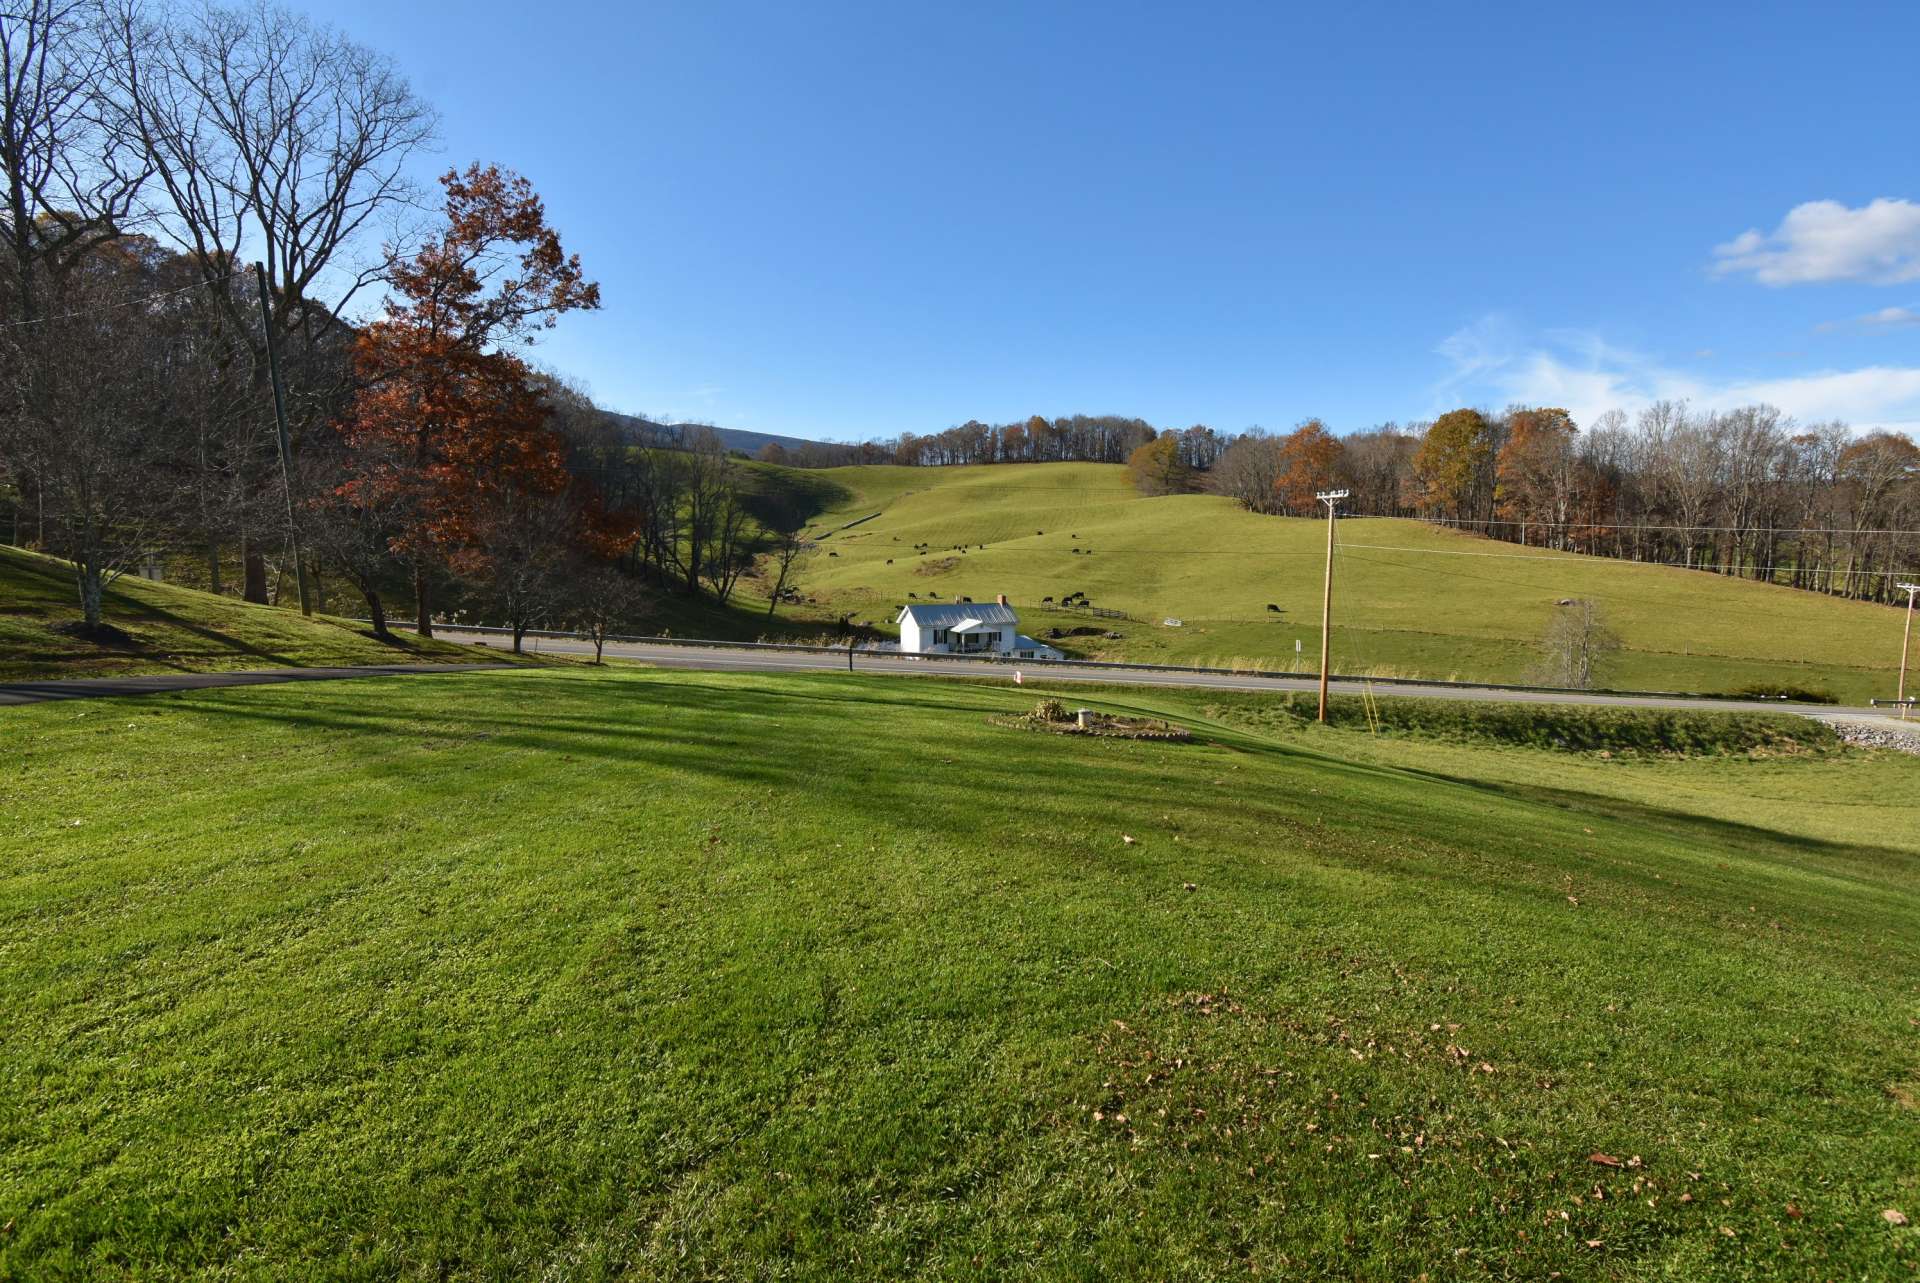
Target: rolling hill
733,438
1410,599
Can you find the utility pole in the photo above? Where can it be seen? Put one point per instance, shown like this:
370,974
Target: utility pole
1905,638
1332,499
286,442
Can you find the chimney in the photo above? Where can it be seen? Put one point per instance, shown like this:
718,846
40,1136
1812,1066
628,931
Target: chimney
1002,599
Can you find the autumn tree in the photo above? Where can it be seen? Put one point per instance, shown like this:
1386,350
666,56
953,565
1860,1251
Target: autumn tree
1536,473
1453,464
1157,467
458,417
1309,458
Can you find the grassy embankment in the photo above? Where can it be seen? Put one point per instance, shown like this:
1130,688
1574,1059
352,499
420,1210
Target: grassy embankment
172,629
584,975
1424,603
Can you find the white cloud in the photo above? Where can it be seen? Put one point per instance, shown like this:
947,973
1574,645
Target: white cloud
1892,316
1823,240
1588,376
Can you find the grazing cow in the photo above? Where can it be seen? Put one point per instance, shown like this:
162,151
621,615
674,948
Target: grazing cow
1046,601
1275,609
914,595
1039,532
833,554
889,561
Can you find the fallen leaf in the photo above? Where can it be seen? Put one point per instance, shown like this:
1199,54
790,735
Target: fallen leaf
1793,1210
1189,886
1127,838
1604,1160
1894,1216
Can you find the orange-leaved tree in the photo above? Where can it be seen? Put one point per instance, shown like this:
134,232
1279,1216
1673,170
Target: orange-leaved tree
1454,464
456,419
1536,475
1309,457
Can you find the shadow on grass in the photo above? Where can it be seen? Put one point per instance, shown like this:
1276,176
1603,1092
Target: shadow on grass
657,732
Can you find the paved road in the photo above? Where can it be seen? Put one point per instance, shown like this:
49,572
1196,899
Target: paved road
94,687
772,661
721,658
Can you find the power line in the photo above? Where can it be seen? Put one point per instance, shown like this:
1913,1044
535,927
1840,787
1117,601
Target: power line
1605,525
1540,557
130,302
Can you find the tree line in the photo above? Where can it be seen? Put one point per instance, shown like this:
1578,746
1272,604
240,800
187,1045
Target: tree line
1745,492
1069,438
153,155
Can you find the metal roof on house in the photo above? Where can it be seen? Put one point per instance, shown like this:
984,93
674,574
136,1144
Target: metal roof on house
962,612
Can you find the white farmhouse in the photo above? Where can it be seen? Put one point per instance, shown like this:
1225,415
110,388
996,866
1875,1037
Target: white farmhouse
965,628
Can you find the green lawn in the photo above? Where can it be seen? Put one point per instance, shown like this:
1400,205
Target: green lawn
1413,600
630,974
176,630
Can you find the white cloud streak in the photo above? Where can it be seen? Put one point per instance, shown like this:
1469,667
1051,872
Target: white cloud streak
1823,240
1496,367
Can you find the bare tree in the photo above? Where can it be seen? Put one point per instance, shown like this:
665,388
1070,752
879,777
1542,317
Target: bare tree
790,547
1248,472
601,599
518,559
1576,642
353,527
71,180
270,135
97,390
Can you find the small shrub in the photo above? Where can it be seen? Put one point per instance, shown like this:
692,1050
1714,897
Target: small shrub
1565,727
1051,710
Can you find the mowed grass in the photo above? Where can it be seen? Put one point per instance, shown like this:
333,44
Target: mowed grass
1420,601
172,629
634,974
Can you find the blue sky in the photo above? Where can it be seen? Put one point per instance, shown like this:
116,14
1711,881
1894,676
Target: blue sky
847,222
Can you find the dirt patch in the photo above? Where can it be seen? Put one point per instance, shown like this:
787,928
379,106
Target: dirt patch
1052,715
938,566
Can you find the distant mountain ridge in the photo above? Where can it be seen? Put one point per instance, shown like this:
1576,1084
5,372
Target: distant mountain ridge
732,438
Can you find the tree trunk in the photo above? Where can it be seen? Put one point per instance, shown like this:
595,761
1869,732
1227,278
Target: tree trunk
519,631
92,589
254,565
377,613
213,565
422,604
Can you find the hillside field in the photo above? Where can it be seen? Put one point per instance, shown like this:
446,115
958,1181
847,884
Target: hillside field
577,974
1411,599
170,629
